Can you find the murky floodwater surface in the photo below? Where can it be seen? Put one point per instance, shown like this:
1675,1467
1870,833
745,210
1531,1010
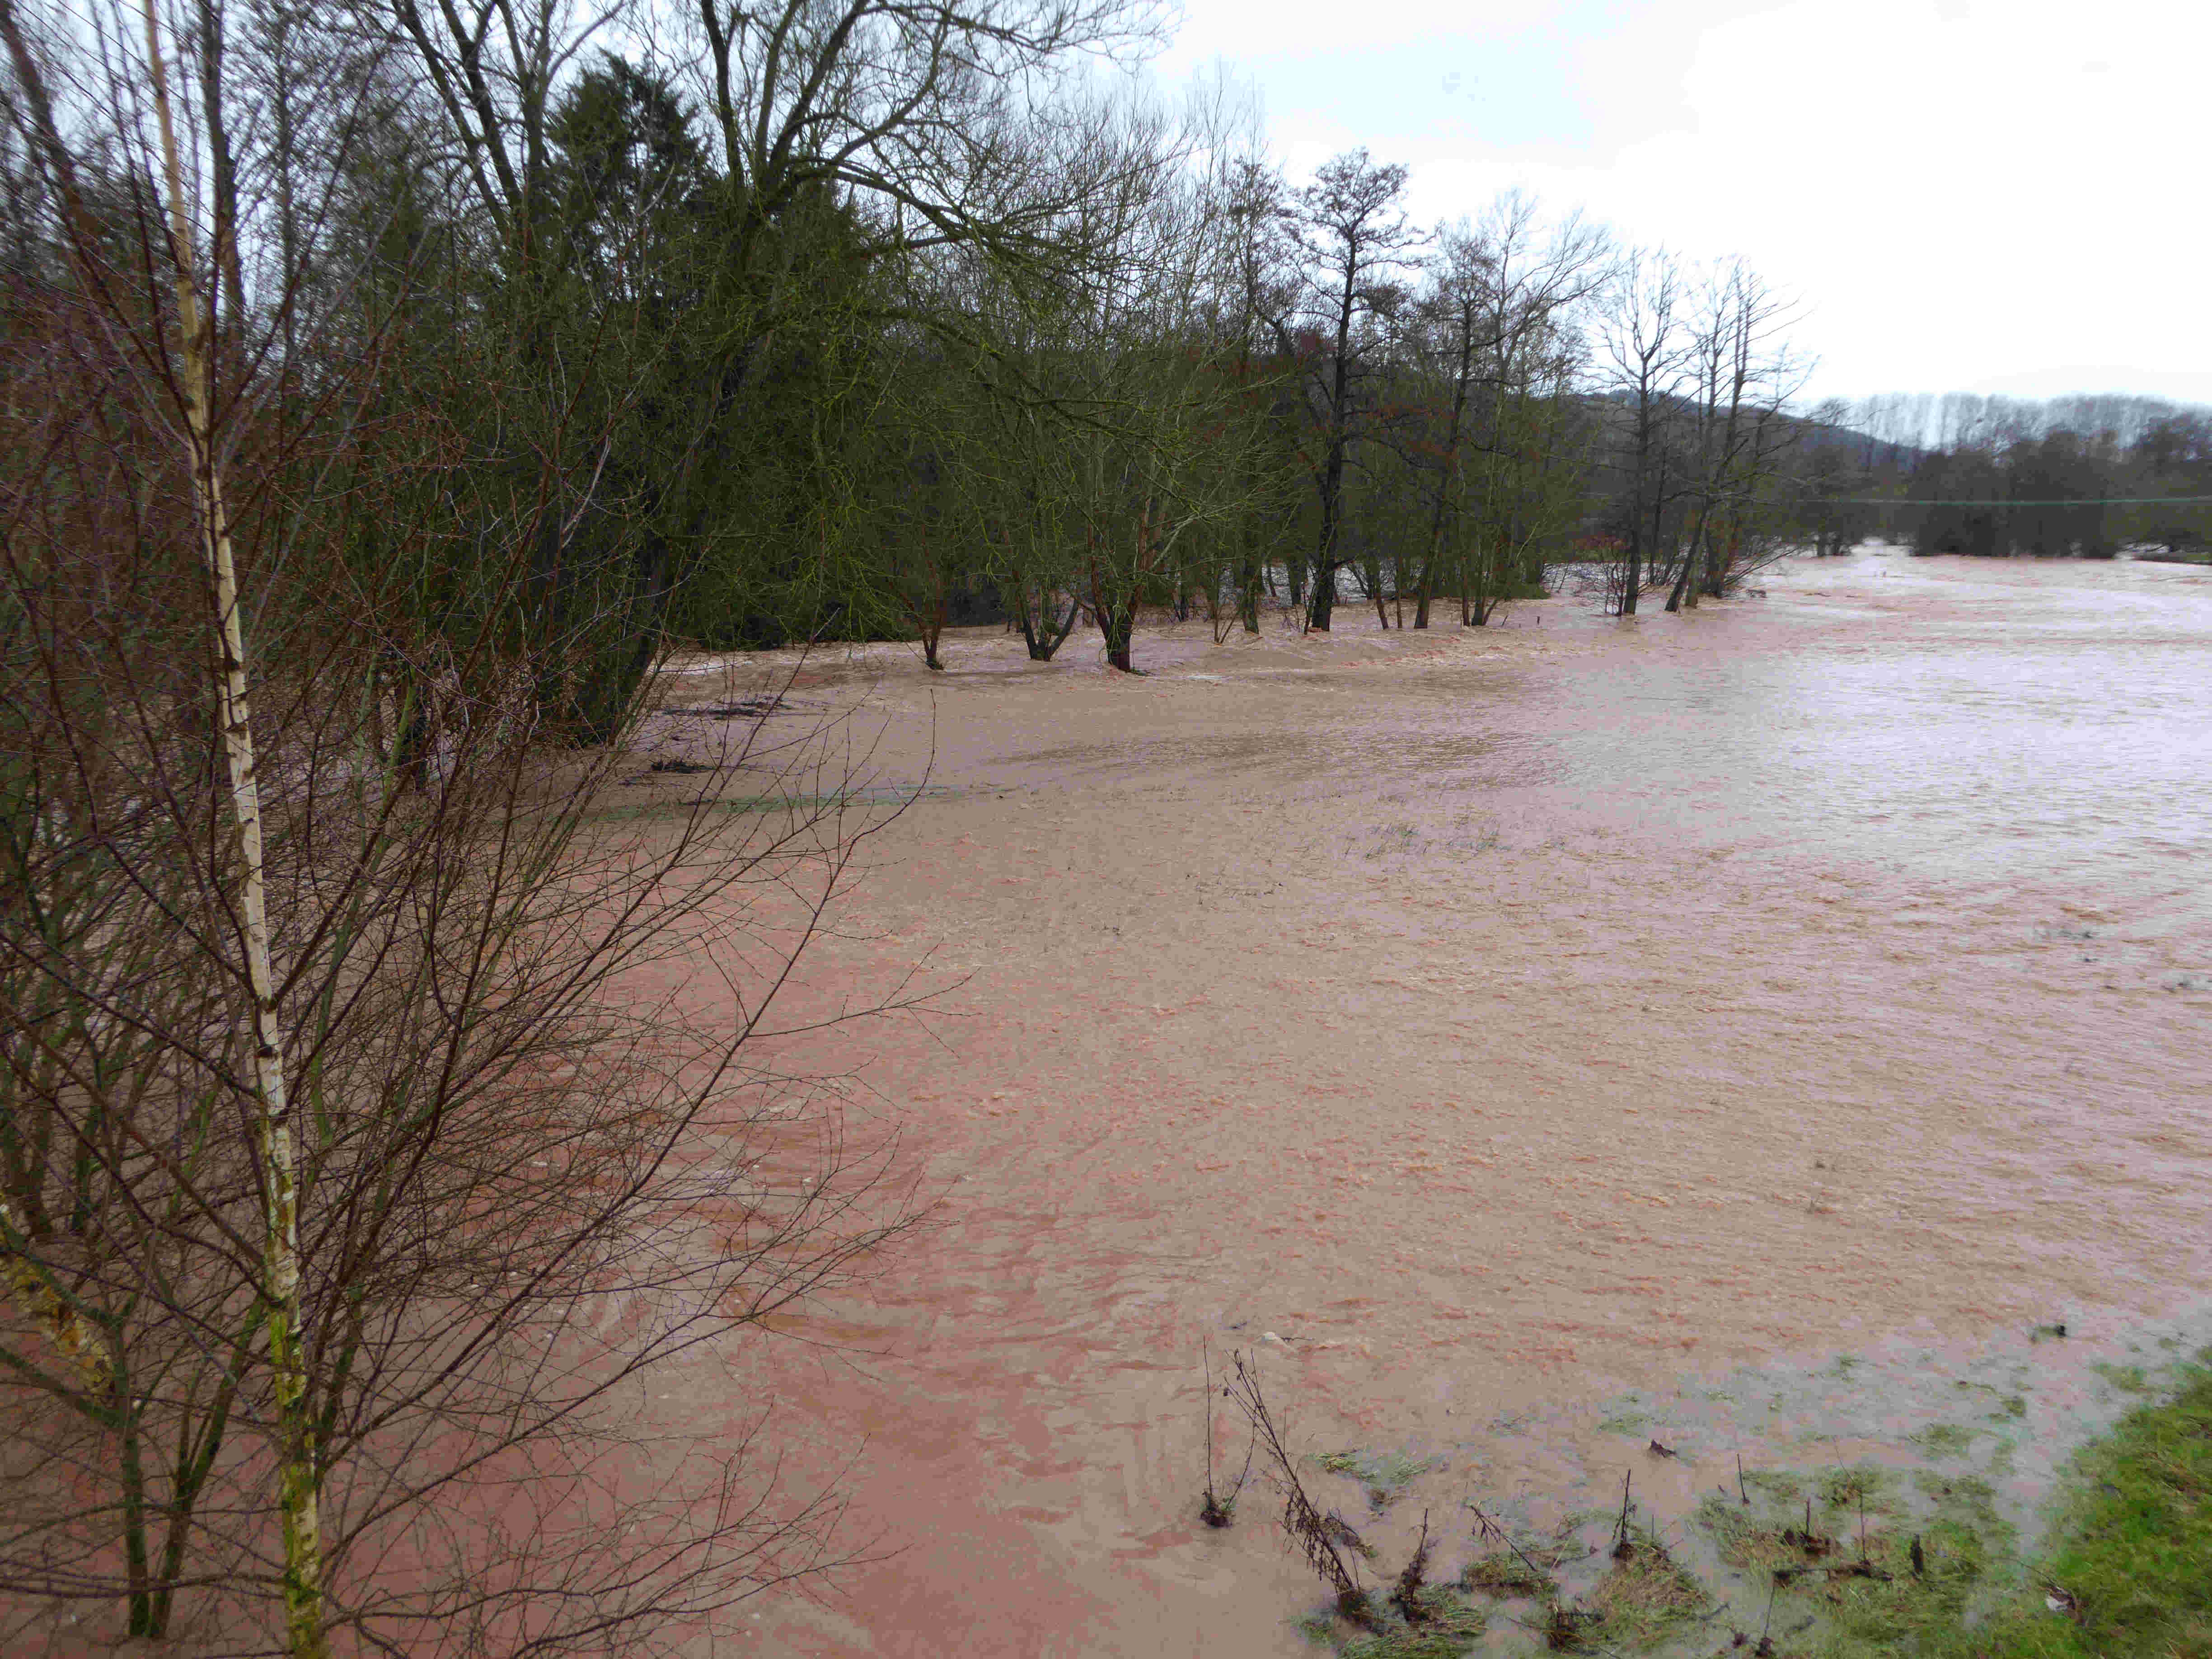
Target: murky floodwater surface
1487,1028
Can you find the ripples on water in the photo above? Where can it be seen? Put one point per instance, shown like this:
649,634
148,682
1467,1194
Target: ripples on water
1506,1020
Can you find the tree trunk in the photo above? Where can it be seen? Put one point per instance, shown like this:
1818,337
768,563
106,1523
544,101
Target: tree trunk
1683,587
297,1479
1118,624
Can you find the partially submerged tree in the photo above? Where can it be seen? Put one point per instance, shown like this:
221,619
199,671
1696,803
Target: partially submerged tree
1500,341
1353,238
1646,367
1743,376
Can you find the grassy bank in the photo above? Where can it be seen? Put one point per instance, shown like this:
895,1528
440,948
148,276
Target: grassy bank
2131,1555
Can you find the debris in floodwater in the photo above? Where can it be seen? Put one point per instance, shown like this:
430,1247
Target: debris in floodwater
750,708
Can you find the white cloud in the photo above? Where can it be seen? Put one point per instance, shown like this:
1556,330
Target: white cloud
1238,28
1964,195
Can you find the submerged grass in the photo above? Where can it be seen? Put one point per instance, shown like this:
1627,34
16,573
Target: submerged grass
1778,1484
1383,1473
1502,1572
2127,1574
1449,1626
1644,1597
2128,1379
1944,1440
1891,1607
1902,1586
1931,1571
671,808
1844,1491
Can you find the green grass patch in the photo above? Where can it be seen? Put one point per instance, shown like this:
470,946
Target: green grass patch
1879,1603
1742,1535
1643,1596
2130,1559
2128,1566
1528,1569
1626,1423
1448,1627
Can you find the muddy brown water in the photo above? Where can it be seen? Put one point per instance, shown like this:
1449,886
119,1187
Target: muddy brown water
1749,1024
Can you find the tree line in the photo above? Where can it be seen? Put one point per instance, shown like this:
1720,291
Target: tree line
2076,476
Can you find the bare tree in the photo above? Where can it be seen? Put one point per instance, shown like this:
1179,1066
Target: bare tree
1646,367
1743,374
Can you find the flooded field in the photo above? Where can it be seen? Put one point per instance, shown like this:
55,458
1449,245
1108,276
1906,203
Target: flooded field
1742,1029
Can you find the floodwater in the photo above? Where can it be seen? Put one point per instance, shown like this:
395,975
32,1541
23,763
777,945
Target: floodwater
1766,1016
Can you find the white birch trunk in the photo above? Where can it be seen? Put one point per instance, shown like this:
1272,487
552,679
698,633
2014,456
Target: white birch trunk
280,1255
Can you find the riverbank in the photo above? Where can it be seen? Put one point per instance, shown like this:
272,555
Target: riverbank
2128,1573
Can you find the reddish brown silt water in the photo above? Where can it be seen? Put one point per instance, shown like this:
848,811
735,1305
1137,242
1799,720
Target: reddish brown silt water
1481,1025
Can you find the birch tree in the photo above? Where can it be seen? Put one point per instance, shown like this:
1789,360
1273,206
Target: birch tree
330,1126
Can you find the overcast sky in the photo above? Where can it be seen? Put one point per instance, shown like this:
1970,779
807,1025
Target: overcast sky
1978,195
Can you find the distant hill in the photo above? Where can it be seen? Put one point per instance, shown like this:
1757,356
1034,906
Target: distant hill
1814,432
